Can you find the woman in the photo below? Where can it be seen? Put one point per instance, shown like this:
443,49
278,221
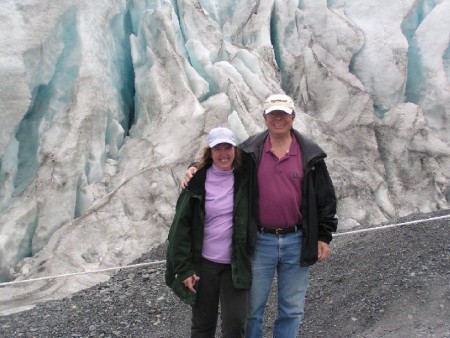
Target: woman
208,257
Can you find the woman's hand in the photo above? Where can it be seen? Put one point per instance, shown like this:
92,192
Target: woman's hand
191,281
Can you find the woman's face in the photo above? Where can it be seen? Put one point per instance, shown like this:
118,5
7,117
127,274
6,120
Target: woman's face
223,156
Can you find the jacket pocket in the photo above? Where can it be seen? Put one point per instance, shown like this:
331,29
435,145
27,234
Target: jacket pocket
241,266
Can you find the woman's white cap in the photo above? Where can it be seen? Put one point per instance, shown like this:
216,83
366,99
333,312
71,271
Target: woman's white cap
221,135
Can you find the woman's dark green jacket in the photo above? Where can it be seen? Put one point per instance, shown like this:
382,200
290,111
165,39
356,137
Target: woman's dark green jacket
184,253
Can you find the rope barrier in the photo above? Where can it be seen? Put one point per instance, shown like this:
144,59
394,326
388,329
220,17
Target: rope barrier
82,273
383,227
388,226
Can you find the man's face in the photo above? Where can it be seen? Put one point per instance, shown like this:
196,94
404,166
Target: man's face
279,122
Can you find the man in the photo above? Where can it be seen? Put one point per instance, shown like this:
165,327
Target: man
295,216
295,213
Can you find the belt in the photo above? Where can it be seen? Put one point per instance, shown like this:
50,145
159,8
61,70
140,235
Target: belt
279,231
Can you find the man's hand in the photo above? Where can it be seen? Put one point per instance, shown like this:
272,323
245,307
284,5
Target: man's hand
187,176
190,282
323,251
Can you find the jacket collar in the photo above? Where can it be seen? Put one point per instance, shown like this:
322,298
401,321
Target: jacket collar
310,150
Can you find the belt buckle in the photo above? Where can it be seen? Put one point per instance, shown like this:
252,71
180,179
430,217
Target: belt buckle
278,229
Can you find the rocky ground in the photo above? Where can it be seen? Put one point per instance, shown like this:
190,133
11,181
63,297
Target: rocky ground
393,282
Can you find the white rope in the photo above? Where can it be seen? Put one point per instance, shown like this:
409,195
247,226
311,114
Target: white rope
82,273
388,226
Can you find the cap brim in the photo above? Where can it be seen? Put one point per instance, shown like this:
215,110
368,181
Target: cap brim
219,141
287,110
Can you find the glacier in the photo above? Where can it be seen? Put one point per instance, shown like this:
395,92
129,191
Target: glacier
105,103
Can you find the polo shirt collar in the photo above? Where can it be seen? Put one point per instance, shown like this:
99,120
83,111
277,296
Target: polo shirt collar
293,148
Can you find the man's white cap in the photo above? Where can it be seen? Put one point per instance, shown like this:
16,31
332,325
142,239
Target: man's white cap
221,135
279,102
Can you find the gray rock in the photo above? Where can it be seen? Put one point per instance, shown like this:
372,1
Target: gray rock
385,283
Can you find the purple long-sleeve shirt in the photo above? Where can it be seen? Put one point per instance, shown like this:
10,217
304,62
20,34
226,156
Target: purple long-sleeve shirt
218,230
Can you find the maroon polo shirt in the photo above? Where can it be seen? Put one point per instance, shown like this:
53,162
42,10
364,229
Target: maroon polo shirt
280,186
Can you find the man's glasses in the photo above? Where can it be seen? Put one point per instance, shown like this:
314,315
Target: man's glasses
278,113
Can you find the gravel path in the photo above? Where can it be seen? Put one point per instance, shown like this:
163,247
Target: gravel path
387,283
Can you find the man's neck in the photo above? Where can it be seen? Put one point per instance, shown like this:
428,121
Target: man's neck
280,144
280,140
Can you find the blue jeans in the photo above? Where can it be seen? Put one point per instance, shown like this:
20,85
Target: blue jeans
279,253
